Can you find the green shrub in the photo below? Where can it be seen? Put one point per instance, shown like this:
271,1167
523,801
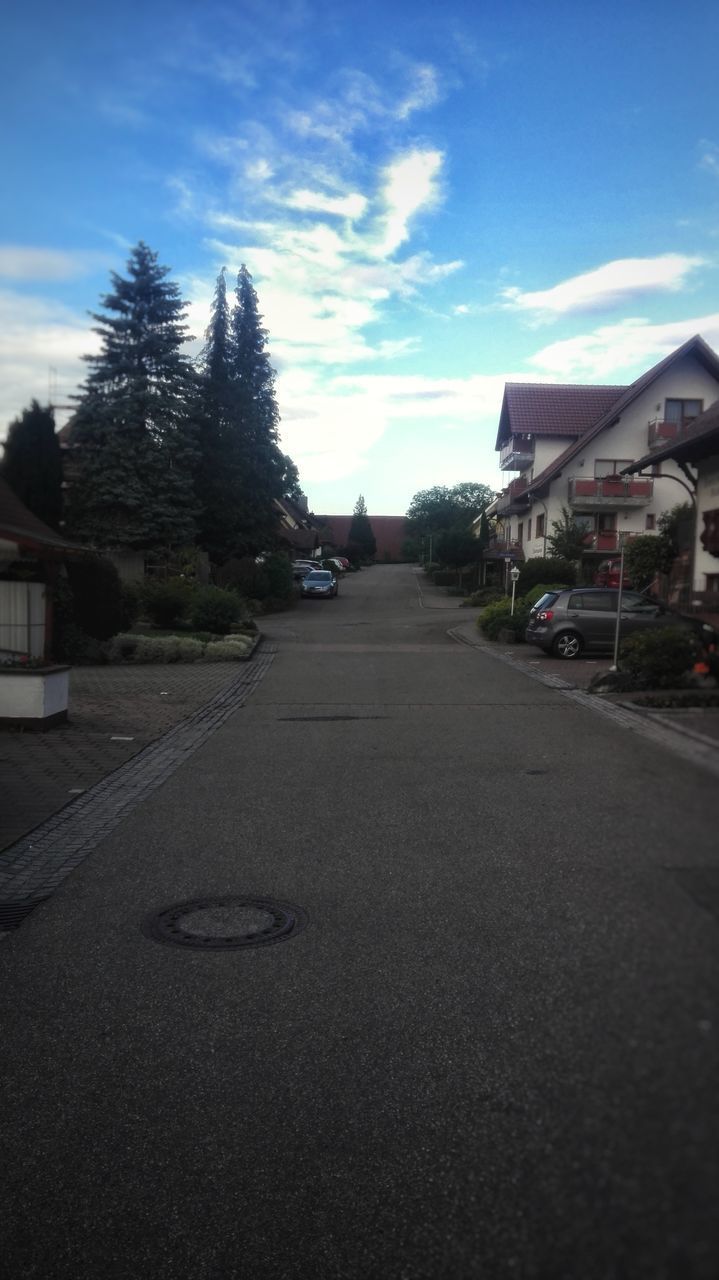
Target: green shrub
431,567
189,650
541,569
78,648
215,610
156,649
484,596
248,627
165,602
96,596
659,658
498,616
225,650
122,648
444,578
278,571
130,603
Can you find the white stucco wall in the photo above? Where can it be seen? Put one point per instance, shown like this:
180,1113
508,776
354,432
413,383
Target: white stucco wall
707,500
33,696
628,438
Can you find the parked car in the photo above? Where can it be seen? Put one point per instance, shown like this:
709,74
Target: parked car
300,570
608,572
320,582
569,622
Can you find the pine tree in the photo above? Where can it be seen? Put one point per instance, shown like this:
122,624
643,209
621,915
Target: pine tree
219,480
259,462
134,428
360,534
32,463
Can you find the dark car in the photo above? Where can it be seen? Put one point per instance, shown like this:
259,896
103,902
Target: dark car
575,620
319,582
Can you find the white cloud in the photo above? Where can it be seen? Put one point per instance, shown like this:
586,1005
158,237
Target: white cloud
709,158
41,353
613,352
608,286
19,262
410,184
349,206
423,93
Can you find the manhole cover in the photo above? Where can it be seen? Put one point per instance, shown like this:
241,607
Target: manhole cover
218,924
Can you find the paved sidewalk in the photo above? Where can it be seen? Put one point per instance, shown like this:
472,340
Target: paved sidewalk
115,712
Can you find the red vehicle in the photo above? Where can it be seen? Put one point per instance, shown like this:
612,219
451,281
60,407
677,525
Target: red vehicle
607,575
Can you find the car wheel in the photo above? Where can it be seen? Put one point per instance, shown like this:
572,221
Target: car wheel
567,645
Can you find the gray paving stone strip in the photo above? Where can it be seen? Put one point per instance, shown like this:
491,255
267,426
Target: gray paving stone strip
34,866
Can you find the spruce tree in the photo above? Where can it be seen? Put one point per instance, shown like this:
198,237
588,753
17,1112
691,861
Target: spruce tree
360,534
32,463
134,431
219,479
256,453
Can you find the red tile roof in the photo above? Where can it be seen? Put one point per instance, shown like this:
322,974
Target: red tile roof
552,409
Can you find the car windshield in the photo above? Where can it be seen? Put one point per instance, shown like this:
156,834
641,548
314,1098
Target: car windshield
320,575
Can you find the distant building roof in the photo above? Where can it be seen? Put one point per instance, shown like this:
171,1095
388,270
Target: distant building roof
18,524
695,346
552,409
389,532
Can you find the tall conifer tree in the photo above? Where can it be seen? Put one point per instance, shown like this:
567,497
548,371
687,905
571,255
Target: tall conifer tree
219,481
360,534
134,428
261,463
32,463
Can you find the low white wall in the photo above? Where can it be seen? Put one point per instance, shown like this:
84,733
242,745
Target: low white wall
33,695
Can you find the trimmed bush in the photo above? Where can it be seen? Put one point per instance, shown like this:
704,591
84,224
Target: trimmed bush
189,650
122,648
225,650
497,617
130,602
541,569
484,596
165,602
96,596
278,571
659,658
215,610
156,649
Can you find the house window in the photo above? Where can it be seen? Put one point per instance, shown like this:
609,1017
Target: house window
609,466
650,521
712,583
540,526
606,522
520,532
682,411
529,529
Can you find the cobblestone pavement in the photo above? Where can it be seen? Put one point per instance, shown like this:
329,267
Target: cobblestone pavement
33,867
115,712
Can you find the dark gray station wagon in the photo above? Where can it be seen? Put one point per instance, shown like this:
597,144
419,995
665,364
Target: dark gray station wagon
570,622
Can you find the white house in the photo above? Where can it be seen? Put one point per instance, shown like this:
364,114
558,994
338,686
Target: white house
570,445
696,452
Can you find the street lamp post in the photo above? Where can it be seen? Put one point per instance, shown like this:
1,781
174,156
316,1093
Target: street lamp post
514,575
614,666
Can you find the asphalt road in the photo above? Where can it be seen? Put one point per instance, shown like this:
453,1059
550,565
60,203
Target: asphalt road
491,1053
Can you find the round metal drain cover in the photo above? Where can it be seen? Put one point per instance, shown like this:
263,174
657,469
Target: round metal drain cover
218,924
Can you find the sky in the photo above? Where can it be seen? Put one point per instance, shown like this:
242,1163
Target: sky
431,199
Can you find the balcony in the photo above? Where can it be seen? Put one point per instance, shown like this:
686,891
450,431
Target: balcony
517,453
610,491
511,498
661,433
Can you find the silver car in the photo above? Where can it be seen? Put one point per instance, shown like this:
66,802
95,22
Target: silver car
573,620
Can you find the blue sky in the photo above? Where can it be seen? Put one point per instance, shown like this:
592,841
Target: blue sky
431,200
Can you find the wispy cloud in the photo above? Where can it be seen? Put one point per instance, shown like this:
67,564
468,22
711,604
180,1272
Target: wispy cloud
42,342
611,285
410,184
709,156
23,262
612,352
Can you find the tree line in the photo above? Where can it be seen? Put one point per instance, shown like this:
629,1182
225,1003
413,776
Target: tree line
165,452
